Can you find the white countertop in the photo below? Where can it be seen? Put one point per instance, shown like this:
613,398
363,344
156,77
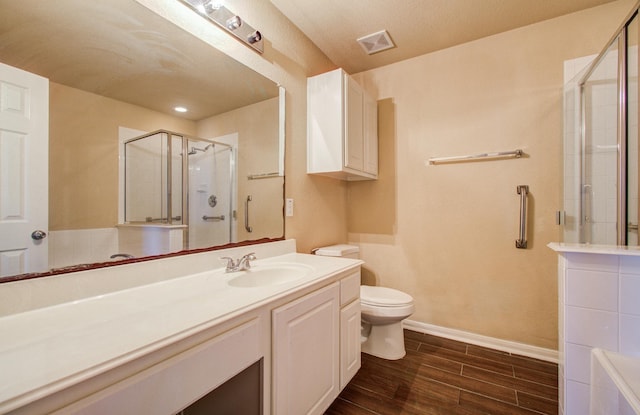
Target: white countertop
595,249
45,350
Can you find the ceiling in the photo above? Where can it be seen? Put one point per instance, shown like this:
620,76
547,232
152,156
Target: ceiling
416,27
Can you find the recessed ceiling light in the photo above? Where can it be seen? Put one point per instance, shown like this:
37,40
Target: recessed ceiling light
180,109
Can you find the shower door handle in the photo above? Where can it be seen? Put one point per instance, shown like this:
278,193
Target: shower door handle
246,214
523,191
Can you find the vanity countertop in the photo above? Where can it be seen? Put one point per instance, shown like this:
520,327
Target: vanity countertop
48,349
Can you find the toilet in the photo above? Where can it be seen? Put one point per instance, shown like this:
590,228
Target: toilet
383,310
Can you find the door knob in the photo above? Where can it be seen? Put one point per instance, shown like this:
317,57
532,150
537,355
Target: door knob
38,235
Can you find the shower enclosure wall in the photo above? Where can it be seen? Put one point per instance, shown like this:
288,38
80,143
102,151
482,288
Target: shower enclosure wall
601,143
178,191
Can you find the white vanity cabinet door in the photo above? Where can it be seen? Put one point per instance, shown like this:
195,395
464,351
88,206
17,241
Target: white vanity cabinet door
349,342
306,358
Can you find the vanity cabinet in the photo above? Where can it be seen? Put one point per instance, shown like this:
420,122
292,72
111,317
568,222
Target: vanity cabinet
191,342
342,128
316,347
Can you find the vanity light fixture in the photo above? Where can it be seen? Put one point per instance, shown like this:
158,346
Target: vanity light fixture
228,21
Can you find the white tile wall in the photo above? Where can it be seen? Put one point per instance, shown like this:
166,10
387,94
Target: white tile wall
577,398
629,335
81,246
594,328
598,307
592,289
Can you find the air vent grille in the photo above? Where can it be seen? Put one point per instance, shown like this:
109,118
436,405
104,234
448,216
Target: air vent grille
376,42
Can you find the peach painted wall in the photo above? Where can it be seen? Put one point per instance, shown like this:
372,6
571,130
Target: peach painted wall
446,233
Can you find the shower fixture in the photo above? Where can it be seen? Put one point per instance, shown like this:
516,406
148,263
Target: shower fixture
228,21
194,150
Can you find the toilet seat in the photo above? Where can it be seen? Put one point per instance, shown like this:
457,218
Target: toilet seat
383,297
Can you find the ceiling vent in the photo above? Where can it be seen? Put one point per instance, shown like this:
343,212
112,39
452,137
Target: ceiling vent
376,42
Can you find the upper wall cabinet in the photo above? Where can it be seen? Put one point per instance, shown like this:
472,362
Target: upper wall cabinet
342,128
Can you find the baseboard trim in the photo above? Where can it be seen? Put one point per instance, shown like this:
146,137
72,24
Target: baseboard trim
521,349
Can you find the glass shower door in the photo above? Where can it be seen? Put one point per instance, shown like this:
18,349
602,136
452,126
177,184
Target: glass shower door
599,116
210,192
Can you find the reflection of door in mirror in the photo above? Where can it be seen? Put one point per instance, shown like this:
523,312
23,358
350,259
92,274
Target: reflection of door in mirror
24,137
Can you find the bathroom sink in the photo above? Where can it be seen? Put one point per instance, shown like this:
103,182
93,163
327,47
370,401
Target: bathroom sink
272,274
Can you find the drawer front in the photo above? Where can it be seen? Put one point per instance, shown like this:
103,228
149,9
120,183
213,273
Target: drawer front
350,288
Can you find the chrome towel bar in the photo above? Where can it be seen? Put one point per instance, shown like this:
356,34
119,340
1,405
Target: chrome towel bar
500,154
523,191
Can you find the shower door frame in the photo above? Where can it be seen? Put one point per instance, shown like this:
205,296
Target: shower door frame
185,217
620,37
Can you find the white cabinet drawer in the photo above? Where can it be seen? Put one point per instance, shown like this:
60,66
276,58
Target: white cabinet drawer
350,288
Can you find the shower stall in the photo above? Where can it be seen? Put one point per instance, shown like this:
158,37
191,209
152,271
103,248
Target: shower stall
181,187
601,143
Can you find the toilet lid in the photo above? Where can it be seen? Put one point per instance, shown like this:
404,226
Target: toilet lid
383,296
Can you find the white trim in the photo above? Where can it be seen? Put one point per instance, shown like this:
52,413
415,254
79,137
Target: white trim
521,349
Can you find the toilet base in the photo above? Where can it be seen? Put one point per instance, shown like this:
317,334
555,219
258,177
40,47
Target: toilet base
383,341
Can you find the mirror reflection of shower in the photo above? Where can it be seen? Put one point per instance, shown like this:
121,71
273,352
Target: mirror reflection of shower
178,192
210,194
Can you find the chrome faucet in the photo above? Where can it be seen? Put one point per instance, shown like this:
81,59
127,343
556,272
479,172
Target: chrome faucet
241,264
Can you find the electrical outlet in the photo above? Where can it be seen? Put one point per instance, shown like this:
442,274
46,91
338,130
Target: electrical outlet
288,207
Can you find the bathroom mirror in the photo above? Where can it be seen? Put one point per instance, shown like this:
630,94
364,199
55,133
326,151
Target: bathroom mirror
116,71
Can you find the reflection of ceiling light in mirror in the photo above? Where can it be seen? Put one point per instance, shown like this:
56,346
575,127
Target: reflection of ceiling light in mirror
180,109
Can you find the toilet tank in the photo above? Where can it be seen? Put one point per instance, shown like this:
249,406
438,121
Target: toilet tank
342,250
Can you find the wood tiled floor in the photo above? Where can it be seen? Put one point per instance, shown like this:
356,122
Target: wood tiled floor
445,377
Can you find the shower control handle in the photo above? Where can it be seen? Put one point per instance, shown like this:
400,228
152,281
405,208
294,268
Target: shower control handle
38,235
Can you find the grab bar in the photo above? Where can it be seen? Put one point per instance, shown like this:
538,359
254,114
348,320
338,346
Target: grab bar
246,214
523,191
151,219
205,217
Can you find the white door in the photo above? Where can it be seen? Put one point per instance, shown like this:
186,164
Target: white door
24,168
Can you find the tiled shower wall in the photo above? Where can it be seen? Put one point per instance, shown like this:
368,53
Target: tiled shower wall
598,307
